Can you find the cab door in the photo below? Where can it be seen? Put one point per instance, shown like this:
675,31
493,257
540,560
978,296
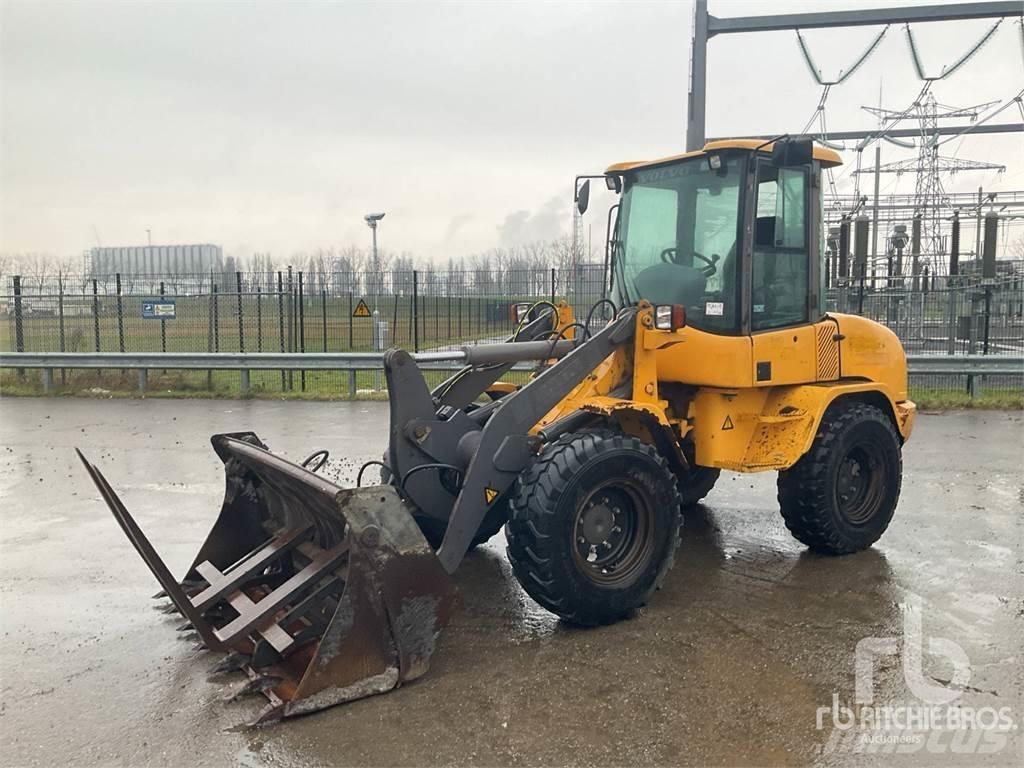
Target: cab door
780,297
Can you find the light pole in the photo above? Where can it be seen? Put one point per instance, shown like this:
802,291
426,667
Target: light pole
149,237
378,340
371,221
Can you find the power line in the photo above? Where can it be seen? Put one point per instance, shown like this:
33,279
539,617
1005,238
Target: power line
946,71
840,78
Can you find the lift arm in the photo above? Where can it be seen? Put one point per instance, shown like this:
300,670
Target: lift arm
505,447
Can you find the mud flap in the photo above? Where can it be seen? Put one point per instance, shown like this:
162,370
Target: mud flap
320,594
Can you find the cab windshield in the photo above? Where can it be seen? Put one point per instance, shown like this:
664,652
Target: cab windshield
677,236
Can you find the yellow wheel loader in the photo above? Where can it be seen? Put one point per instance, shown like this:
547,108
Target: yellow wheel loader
718,355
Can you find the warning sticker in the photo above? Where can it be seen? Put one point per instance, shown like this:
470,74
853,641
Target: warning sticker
727,424
714,308
361,310
490,494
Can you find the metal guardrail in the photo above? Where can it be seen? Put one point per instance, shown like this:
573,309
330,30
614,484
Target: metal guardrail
220,361
965,365
918,365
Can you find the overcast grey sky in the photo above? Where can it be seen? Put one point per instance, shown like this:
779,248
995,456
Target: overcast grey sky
276,126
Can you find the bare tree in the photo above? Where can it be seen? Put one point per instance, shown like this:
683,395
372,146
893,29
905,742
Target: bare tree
66,268
6,261
38,267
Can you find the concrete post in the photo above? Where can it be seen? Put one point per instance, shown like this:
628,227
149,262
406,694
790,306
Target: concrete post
988,246
844,264
952,284
860,257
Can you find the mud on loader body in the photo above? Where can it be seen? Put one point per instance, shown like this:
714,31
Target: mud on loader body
718,356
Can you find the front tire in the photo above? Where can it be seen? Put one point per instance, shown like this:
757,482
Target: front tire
695,483
840,496
593,526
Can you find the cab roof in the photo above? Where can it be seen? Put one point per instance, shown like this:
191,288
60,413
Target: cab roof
827,157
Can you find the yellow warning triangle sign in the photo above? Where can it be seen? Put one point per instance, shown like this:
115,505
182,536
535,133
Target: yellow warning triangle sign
727,424
361,310
490,494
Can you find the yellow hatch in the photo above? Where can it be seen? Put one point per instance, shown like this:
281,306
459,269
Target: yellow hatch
827,157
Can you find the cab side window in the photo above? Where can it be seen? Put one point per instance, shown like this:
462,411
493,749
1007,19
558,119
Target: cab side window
780,257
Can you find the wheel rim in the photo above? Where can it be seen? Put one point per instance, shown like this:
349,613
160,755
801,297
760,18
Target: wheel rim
860,483
612,533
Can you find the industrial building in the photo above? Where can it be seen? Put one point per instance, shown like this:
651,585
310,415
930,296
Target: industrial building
154,260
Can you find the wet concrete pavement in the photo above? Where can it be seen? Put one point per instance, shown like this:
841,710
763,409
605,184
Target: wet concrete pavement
728,664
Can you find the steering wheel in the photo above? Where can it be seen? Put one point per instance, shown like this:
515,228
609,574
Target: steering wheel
668,256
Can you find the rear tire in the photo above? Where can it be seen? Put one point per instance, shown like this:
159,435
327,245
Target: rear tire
840,496
593,526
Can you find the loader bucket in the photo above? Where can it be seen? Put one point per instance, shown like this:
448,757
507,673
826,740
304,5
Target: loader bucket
320,594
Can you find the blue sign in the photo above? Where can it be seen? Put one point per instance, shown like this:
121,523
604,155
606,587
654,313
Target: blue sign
158,309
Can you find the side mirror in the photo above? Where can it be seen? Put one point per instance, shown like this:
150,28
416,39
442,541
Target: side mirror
520,311
583,197
790,152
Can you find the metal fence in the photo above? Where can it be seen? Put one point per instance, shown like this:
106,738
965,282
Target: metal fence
286,311
975,369
422,310
971,317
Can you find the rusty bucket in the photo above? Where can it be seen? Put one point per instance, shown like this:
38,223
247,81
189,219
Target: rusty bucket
320,594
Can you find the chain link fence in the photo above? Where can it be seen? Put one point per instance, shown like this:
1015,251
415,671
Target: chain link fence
422,310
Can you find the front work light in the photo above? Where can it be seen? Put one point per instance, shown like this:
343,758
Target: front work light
669,317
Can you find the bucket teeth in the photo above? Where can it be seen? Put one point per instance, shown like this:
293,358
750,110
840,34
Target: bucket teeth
188,586
320,594
233,662
258,684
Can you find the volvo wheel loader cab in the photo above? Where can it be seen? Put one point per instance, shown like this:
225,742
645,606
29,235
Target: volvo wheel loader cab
719,355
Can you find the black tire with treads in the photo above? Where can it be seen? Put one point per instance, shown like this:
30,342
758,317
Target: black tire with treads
814,494
545,514
695,483
433,530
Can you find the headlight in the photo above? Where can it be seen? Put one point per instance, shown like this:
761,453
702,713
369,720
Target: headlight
669,317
